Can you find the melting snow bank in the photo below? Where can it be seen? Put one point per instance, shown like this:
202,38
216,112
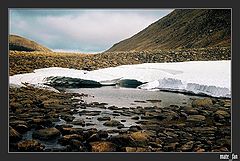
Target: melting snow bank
199,77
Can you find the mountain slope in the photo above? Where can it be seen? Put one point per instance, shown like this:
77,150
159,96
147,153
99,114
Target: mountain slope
182,28
22,44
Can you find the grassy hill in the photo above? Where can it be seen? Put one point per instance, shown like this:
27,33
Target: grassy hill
181,29
22,44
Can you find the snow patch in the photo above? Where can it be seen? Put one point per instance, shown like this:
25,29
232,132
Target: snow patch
200,77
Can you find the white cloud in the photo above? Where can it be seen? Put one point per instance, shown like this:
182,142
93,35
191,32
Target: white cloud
87,31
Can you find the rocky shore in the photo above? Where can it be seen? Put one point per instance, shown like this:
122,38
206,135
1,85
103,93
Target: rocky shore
45,121
25,62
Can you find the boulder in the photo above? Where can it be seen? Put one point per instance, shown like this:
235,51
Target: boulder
206,102
46,134
65,140
30,146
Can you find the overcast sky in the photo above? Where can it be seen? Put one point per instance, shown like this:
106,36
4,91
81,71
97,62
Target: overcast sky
82,30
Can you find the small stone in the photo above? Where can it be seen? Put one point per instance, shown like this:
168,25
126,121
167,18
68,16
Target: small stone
103,146
46,134
136,149
188,146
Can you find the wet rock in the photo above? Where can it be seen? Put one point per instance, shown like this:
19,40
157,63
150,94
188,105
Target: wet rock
113,108
30,146
136,149
41,121
188,146
65,140
70,130
79,122
112,123
103,146
46,134
14,135
196,118
122,140
105,118
21,128
102,134
135,118
206,102
140,138
68,118
135,128
129,83
89,113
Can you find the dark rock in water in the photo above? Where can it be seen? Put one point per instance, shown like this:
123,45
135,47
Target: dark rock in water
206,102
14,135
188,146
102,134
69,82
105,118
79,122
135,128
46,134
21,128
112,123
103,146
129,83
67,117
122,140
30,146
89,113
113,108
135,118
